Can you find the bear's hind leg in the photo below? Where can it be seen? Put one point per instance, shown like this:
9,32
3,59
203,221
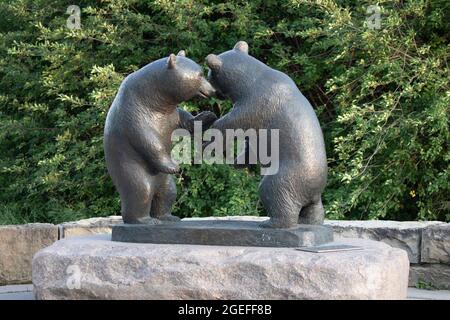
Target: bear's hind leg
312,214
164,199
279,202
135,189
135,208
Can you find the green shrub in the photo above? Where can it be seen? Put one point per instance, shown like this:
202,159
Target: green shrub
382,96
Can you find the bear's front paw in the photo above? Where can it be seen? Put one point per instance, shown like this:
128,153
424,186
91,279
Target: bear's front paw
207,118
168,167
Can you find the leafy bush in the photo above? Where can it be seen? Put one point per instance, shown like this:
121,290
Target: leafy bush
382,97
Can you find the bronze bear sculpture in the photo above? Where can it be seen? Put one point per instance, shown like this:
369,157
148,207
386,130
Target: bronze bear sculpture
137,135
264,98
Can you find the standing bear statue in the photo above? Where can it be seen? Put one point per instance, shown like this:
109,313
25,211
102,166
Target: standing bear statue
138,131
264,98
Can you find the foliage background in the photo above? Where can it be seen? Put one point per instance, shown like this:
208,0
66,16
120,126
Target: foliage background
382,96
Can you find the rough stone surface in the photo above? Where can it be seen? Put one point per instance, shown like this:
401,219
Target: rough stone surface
89,226
18,244
221,232
436,244
96,268
405,235
436,276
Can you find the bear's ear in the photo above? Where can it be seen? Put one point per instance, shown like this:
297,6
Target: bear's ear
213,62
241,46
172,61
182,53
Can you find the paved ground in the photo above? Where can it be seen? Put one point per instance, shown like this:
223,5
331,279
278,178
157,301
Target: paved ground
17,292
419,294
25,292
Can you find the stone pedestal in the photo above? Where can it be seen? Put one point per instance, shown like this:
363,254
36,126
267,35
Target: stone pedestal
223,233
95,267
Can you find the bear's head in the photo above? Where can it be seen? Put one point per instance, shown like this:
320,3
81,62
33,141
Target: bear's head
233,72
184,79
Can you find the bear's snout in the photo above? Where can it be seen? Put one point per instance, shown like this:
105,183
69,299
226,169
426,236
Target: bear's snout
206,89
